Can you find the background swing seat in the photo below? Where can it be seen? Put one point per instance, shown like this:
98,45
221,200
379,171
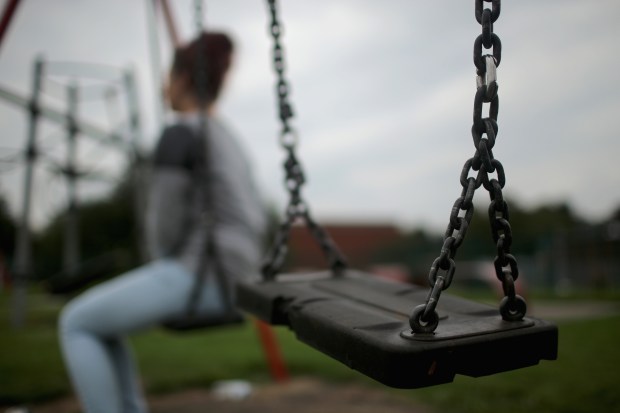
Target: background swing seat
189,323
363,321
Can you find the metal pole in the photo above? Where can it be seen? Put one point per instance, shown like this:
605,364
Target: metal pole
156,71
7,17
275,361
23,251
71,252
170,24
139,184
87,129
82,70
133,108
112,107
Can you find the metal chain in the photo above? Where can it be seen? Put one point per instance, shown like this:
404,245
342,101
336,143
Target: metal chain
198,16
294,179
424,318
201,86
201,62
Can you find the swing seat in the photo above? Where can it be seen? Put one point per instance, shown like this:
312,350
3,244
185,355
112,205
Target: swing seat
188,323
363,321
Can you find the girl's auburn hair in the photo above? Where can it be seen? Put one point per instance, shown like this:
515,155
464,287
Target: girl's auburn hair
216,49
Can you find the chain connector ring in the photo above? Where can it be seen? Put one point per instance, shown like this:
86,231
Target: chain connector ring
420,326
513,310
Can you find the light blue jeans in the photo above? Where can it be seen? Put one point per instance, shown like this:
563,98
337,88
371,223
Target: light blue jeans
94,326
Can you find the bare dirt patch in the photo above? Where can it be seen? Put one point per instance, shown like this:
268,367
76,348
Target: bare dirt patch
300,395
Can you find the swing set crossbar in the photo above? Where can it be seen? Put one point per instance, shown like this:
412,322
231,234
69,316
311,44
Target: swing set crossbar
362,321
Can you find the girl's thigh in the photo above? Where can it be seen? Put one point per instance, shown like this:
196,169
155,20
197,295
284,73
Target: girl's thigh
132,301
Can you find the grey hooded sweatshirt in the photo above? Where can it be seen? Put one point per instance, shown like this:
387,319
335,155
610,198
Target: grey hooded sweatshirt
200,184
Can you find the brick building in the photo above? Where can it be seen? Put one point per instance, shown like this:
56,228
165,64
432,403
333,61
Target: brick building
360,244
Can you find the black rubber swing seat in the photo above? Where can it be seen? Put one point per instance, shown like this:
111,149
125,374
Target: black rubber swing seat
363,321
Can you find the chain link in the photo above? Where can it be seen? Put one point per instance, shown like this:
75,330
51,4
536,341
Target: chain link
297,208
200,70
424,319
198,16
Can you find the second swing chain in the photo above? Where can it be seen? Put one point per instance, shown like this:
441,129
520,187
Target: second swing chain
297,208
424,318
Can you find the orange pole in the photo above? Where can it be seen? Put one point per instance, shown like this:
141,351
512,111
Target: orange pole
276,364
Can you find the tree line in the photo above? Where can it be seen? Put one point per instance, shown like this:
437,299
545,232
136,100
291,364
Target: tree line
108,238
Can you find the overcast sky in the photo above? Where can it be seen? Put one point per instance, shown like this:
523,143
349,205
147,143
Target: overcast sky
383,93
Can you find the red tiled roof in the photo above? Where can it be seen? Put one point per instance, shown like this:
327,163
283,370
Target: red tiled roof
359,243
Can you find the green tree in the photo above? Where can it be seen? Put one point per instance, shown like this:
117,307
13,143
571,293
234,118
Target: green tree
531,229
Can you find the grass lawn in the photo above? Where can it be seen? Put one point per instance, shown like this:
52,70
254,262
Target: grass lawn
585,378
